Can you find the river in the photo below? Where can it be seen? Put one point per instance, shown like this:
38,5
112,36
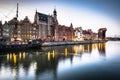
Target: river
72,62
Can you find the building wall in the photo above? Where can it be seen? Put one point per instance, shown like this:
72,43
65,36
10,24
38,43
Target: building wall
45,26
14,28
6,31
64,33
26,29
78,34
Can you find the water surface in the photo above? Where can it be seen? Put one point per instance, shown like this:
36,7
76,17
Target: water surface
73,62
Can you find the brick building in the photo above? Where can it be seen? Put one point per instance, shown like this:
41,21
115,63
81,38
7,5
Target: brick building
65,32
48,28
26,29
44,26
102,33
14,28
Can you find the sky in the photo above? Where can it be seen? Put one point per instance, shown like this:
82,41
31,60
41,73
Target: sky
88,14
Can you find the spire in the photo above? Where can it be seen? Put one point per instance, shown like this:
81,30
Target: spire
55,12
71,25
17,11
35,17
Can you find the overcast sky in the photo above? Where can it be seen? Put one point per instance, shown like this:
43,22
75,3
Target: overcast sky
89,14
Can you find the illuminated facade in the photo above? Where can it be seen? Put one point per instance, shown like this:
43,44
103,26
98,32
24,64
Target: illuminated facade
21,30
26,31
78,34
15,28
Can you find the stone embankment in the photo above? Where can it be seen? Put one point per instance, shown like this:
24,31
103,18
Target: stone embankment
70,43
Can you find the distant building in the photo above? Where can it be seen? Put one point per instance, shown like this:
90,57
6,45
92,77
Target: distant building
88,34
6,31
0,30
78,34
65,32
102,33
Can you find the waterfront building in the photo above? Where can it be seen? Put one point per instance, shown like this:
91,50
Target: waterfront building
0,29
48,28
78,34
65,32
15,29
62,32
102,33
6,31
44,26
88,34
26,29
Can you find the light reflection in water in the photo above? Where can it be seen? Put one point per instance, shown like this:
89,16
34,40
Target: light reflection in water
10,56
66,52
51,60
48,56
23,55
20,55
53,54
7,56
14,59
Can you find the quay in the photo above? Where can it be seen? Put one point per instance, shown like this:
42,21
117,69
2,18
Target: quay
45,44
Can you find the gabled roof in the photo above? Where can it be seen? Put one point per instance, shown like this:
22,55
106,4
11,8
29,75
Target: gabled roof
43,17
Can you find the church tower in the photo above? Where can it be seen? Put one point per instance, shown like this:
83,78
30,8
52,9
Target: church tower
55,25
55,14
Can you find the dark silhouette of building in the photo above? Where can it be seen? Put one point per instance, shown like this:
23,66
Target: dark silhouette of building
102,33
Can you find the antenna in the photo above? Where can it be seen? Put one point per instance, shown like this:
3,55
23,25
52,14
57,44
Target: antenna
17,11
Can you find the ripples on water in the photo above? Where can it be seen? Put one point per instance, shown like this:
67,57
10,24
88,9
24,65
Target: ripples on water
73,62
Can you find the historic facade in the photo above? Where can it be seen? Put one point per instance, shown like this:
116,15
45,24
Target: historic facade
26,29
6,31
48,28
15,29
78,34
44,26
65,32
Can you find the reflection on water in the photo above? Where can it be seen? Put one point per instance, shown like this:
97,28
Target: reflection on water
51,62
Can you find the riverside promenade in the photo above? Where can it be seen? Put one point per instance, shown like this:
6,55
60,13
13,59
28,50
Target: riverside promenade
60,43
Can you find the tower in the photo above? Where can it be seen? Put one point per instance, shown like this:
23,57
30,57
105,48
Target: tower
55,25
55,14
